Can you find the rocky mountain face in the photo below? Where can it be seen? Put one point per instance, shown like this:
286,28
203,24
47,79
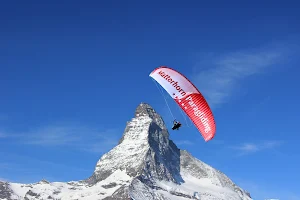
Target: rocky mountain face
145,165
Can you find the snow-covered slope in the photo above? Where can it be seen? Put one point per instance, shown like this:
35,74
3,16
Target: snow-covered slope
144,165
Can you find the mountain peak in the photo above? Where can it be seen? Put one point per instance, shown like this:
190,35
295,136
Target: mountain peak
144,109
145,165
145,136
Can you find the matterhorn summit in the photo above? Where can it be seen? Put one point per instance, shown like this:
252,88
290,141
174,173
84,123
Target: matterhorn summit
145,165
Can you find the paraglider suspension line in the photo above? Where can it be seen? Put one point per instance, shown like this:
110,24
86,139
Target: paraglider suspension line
160,90
182,113
184,117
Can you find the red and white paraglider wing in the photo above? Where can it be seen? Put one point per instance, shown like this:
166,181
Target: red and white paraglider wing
188,97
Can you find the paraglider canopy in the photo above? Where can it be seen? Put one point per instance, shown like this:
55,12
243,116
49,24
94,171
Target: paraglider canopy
188,97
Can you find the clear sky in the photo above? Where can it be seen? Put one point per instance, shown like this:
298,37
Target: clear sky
73,72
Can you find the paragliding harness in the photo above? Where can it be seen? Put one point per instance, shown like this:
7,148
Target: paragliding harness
176,125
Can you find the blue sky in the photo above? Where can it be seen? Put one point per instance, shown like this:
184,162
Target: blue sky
72,74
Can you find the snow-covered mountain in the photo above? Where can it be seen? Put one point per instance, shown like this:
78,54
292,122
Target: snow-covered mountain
145,165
